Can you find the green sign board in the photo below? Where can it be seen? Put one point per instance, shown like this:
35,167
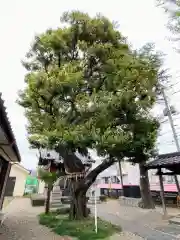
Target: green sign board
33,181
31,185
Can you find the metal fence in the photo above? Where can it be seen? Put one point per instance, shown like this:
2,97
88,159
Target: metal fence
132,202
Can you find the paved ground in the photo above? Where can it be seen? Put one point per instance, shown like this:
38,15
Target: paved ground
22,223
7,200
147,224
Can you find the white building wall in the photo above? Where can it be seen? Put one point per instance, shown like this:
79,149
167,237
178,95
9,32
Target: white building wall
93,191
21,175
41,187
131,173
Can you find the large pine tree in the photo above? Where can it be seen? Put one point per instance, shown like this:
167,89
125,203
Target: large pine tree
86,88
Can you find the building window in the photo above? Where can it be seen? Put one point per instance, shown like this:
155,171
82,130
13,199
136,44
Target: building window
106,179
114,179
103,180
169,179
118,180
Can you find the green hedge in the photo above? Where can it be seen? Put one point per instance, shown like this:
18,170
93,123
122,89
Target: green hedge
103,198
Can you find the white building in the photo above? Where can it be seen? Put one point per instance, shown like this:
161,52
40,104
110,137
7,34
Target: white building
131,175
130,172
17,180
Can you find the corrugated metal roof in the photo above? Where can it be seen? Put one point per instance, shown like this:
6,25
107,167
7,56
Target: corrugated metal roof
165,160
6,126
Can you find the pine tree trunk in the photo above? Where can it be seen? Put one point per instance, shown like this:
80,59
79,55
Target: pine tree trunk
78,208
47,206
147,201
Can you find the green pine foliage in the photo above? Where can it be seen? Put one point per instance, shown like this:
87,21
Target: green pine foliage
86,88
47,177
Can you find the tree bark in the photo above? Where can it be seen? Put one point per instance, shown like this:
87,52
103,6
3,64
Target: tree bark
47,206
78,207
147,201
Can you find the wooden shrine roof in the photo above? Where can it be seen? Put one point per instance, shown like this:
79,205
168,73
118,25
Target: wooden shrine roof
6,126
168,160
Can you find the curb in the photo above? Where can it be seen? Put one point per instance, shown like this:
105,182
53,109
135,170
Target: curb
4,212
8,204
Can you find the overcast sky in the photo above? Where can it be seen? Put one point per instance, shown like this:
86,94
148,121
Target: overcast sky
20,20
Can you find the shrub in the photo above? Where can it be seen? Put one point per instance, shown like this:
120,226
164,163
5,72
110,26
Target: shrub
63,211
47,220
103,198
27,195
66,210
114,197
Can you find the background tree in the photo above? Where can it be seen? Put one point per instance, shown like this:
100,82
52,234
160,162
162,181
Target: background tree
49,178
86,88
172,9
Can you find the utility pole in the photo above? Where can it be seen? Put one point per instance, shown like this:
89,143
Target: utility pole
173,131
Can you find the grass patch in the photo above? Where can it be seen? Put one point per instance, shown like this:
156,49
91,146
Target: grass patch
103,198
82,230
66,210
27,195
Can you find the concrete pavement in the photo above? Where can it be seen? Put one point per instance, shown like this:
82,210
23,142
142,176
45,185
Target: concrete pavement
21,223
147,224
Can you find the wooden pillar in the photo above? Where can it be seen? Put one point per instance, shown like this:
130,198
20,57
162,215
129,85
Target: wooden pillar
162,193
4,175
177,184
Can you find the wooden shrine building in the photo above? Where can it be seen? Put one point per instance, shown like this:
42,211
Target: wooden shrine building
9,152
166,164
